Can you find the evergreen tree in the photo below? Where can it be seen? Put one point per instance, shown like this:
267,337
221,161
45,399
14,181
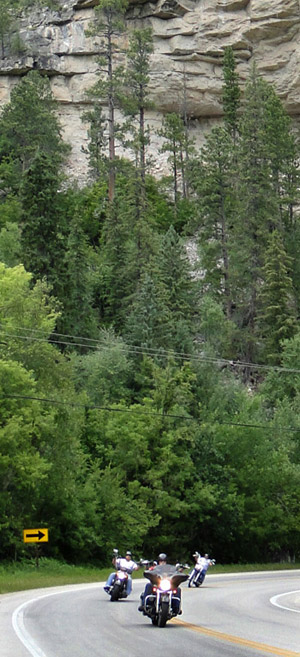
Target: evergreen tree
28,124
282,153
258,209
78,315
136,99
6,22
178,144
149,323
277,305
172,272
108,22
231,92
97,140
213,183
43,239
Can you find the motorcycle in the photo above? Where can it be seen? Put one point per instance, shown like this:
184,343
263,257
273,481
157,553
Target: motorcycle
118,588
163,603
197,576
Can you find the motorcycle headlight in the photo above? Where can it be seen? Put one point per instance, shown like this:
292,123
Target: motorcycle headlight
165,585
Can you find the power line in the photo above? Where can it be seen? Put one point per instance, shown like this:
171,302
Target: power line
137,350
149,413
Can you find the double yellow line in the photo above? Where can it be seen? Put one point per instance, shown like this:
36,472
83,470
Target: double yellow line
262,647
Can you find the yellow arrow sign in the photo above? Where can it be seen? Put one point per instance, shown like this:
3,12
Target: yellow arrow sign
35,535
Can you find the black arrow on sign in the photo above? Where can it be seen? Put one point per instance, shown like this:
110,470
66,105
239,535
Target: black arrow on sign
39,535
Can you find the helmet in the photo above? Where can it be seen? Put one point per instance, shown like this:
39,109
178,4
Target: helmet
128,553
206,555
162,557
196,554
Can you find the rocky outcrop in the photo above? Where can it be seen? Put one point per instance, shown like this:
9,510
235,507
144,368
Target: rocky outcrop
189,41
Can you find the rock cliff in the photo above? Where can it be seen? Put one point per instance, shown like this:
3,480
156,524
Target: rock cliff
189,41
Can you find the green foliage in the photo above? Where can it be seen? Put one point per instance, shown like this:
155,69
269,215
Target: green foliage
10,244
124,418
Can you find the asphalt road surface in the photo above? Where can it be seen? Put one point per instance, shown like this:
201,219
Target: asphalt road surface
244,615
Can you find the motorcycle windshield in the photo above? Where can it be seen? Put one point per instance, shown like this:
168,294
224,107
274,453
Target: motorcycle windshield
168,571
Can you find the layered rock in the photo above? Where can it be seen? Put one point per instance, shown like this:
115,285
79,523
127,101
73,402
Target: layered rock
189,41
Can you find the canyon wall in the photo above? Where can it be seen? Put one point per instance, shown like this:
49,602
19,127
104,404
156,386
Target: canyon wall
189,41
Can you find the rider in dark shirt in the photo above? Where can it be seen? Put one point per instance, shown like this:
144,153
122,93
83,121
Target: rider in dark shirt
162,567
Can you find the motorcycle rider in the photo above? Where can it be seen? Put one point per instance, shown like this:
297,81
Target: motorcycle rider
122,563
196,557
201,565
176,602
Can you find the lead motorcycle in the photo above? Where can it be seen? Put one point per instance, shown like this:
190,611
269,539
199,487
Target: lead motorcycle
163,603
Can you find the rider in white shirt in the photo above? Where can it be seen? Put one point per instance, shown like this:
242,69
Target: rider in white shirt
122,563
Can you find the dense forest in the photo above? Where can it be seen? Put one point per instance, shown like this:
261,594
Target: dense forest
149,337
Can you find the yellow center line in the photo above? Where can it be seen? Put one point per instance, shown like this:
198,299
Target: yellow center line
263,647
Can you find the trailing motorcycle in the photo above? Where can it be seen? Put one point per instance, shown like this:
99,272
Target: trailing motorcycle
118,588
119,584
197,575
163,600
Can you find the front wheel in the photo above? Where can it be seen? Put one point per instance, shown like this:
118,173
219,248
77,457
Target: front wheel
115,593
163,614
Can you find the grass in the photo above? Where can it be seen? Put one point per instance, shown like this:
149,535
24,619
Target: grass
25,575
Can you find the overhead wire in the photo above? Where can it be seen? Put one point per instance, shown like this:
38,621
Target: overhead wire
112,409
92,343
137,350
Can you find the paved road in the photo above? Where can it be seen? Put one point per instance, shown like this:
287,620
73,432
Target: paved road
247,615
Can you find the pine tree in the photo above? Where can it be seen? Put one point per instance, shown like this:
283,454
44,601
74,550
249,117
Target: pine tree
258,208
231,93
277,316
78,315
136,98
97,140
178,144
213,183
171,270
6,22
43,225
108,22
28,124
148,324
283,154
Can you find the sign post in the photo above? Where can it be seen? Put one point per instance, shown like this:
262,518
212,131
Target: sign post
35,536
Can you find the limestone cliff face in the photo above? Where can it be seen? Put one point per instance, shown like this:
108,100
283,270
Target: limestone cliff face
189,41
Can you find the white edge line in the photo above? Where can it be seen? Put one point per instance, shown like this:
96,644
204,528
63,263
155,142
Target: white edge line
281,595
18,619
